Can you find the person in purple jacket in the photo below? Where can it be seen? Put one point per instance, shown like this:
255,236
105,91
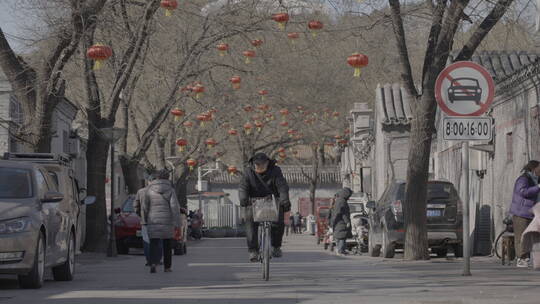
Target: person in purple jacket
525,196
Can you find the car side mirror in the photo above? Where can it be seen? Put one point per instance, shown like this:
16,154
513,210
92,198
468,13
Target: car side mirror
89,200
371,205
52,197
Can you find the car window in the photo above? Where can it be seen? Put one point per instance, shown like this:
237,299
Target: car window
128,205
15,183
434,190
41,184
54,178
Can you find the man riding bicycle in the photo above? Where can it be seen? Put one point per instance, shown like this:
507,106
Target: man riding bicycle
262,169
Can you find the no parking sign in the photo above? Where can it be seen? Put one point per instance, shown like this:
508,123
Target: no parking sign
464,89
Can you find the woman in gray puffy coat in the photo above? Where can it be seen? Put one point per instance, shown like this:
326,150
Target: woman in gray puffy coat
160,212
341,219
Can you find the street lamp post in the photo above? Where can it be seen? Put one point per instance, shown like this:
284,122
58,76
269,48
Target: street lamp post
112,135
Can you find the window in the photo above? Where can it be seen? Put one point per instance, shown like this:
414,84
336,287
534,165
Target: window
15,183
41,184
509,148
54,177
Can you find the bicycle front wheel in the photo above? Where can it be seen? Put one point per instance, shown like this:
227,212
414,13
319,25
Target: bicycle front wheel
266,252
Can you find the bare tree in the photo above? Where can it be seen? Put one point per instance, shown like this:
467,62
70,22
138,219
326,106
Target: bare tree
446,19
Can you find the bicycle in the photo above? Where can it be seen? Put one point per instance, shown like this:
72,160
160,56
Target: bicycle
265,212
264,248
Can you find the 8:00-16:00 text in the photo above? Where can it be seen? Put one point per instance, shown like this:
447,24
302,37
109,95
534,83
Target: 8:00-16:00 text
467,128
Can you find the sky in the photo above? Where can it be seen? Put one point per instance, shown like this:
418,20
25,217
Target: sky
9,23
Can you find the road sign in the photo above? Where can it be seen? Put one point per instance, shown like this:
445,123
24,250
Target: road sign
464,89
467,128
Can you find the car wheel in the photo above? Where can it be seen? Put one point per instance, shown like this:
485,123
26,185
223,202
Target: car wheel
121,247
441,252
374,250
34,279
388,248
65,271
458,250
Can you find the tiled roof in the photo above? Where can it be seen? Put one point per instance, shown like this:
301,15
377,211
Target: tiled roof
502,64
393,105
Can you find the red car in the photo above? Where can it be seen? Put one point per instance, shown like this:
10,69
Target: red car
127,227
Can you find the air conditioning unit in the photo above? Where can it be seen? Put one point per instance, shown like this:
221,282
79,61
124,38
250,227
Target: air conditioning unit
74,147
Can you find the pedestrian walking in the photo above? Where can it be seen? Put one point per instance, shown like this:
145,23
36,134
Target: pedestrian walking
297,222
144,231
160,213
524,198
291,223
341,219
263,178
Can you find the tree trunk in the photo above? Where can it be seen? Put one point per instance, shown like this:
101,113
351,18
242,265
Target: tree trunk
96,159
130,170
181,187
314,177
414,207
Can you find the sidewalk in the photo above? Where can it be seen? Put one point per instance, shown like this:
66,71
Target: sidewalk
215,271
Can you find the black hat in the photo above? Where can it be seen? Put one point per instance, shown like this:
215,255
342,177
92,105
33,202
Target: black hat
260,158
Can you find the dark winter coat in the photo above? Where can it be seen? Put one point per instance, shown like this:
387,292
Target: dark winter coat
159,209
251,186
341,215
524,197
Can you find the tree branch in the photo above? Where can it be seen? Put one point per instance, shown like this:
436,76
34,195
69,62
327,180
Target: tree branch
483,29
399,32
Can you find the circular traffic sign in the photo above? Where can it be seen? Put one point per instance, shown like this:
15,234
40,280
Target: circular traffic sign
464,89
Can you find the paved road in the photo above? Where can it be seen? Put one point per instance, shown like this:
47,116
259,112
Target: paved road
215,271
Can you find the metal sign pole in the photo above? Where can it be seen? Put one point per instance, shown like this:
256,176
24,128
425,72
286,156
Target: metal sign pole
466,218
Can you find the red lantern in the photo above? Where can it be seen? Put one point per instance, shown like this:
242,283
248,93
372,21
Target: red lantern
263,108
281,150
177,113
169,6
357,61
281,19
329,144
232,170
256,42
269,117
211,143
188,125
99,53
222,48
293,36
282,155
335,114
236,80
191,163
248,127
181,143
248,108
263,93
259,126
284,112
291,132
284,124
202,118
233,132
249,54
199,90
315,26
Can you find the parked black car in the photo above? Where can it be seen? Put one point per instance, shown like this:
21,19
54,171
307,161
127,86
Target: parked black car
465,89
444,217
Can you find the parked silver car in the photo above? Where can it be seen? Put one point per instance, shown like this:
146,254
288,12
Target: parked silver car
38,224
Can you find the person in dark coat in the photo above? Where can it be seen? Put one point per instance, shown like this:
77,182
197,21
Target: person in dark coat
341,219
525,196
262,169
